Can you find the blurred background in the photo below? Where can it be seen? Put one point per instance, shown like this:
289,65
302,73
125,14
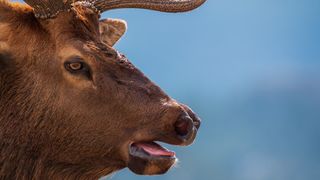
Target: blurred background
251,70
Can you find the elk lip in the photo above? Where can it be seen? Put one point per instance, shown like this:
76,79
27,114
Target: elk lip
149,158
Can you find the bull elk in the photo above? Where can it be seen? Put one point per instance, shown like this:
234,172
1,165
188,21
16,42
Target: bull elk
71,106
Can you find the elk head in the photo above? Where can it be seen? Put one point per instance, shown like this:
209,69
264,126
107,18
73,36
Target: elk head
75,104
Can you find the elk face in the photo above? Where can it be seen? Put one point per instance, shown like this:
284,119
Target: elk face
123,109
106,114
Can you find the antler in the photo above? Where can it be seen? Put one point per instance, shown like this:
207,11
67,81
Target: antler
49,8
158,5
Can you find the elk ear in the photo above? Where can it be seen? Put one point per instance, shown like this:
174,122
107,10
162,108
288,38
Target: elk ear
111,30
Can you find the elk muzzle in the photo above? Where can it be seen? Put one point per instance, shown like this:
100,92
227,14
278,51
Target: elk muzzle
148,158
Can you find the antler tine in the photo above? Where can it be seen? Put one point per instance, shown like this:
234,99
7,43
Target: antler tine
158,5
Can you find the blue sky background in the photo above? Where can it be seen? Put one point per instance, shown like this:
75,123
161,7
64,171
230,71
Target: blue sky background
251,70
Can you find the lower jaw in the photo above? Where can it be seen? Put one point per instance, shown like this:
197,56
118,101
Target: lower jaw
150,166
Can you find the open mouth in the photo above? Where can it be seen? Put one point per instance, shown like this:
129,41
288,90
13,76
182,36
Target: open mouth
150,158
150,150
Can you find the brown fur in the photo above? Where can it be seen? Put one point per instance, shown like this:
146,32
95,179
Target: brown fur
54,125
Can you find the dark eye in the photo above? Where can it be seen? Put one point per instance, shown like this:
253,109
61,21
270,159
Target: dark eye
77,66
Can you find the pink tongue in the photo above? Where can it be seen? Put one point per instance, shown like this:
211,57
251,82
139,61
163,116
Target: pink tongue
155,149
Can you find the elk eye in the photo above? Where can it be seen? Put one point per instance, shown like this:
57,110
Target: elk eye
77,66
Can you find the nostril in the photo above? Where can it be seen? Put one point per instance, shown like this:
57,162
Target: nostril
183,126
193,116
197,123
